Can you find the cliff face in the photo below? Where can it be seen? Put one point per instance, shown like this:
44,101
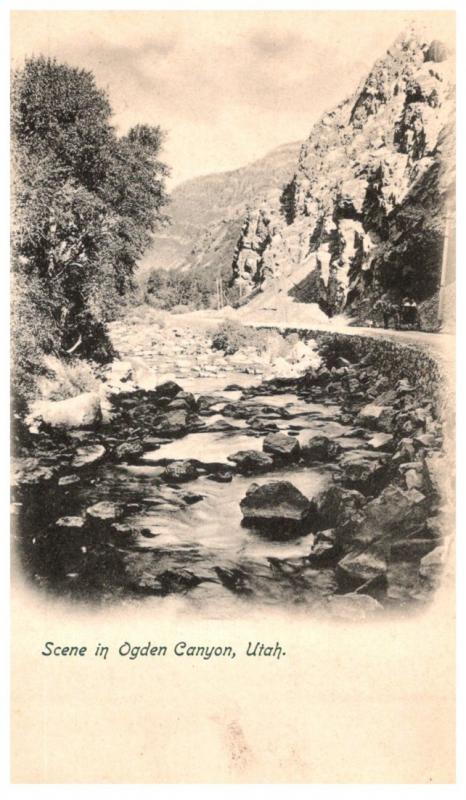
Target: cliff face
364,213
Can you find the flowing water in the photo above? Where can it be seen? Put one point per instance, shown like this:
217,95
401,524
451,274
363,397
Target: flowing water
187,540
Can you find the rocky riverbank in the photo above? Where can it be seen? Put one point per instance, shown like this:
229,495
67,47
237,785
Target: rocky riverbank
323,490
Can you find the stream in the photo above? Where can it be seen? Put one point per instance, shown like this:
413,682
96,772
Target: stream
186,540
191,533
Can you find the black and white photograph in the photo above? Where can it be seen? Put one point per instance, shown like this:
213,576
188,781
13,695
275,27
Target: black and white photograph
233,332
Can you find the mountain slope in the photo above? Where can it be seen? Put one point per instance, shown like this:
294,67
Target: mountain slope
207,213
364,214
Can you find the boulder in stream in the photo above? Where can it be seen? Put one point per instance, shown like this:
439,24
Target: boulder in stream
221,476
105,511
129,451
251,461
87,455
278,506
180,472
206,401
167,390
320,448
281,446
184,400
174,422
381,441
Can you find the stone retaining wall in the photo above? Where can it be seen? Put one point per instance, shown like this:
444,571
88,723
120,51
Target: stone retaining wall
395,360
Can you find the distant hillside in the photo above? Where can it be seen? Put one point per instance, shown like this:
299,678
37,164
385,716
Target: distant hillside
207,214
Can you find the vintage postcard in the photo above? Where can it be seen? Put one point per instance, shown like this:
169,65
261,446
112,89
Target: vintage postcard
233,403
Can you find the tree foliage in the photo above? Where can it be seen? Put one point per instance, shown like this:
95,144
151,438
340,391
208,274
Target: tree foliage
288,201
85,201
195,289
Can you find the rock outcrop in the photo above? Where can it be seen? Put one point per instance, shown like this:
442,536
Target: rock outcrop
82,411
364,214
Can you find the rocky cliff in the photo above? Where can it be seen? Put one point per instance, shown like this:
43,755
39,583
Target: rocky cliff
207,214
364,213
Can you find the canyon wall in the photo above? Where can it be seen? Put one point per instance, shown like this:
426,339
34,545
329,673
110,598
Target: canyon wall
364,215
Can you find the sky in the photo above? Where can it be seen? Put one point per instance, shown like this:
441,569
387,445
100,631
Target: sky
227,87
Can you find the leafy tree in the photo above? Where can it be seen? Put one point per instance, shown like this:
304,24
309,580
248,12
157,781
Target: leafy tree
288,201
85,205
167,289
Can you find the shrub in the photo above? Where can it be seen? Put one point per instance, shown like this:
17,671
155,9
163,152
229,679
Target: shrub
66,379
230,336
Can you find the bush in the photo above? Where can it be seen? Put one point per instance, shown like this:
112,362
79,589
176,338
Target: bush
231,336
66,379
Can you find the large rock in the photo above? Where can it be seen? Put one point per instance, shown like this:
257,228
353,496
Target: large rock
180,471
83,411
129,451
436,474
320,448
259,424
167,390
184,400
411,549
69,480
392,513
278,504
358,568
281,446
71,523
362,470
325,547
405,452
104,511
376,416
87,455
223,476
381,441
339,507
437,52
403,582
251,461
414,479
206,401
173,423
236,580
